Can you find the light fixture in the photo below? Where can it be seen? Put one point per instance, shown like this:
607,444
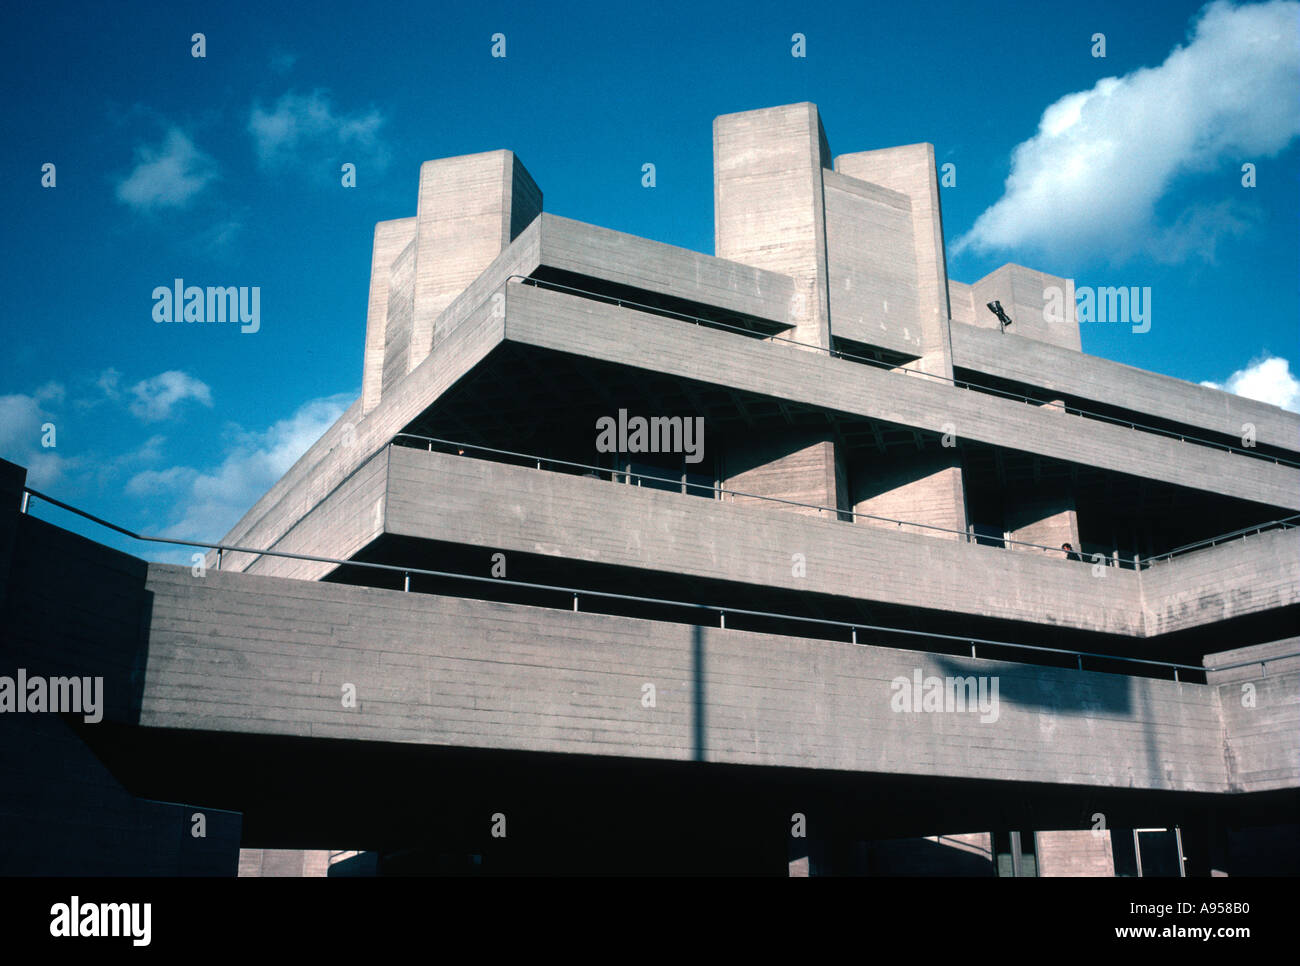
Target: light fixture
1003,319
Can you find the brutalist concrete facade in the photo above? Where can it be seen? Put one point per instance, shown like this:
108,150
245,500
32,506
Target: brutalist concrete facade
580,659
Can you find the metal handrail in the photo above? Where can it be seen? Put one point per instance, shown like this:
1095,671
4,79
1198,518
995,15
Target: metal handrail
722,611
1285,523
959,383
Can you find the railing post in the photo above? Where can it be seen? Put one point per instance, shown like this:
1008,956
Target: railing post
1175,674
972,648
406,581
23,507
575,602
855,635
220,550
723,618
1078,661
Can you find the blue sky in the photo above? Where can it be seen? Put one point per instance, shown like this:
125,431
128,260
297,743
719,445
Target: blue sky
224,170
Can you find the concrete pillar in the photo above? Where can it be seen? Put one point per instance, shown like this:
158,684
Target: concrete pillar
769,211
284,863
768,204
919,486
391,237
910,170
1045,515
470,208
798,465
1075,852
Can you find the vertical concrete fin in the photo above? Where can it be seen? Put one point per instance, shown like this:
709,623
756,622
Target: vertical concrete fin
390,238
768,201
470,208
910,170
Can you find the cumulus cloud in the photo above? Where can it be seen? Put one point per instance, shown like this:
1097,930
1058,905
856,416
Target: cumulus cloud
156,398
209,502
22,421
167,176
1267,379
302,123
1089,180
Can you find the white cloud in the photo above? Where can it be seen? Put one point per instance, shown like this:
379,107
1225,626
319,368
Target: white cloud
21,420
1090,179
210,502
1267,380
108,380
167,176
156,397
301,123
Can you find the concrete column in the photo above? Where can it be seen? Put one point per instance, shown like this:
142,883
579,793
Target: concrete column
769,212
910,170
797,464
470,208
919,486
390,238
1075,852
768,204
1045,516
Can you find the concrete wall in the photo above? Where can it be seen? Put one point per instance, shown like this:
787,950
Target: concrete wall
72,607
1062,370
1244,576
512,508
637,339
339,526
242,653
796,465
872,266
1020,290
961,303
283,863
467,331
924,486
391,238
768,208
1261,714
400,313
624,259
1048,519
910,169
1076,852
470,209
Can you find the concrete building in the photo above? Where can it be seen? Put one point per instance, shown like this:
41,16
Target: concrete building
630,558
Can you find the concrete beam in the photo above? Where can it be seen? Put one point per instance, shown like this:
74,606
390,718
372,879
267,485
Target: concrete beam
768,206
